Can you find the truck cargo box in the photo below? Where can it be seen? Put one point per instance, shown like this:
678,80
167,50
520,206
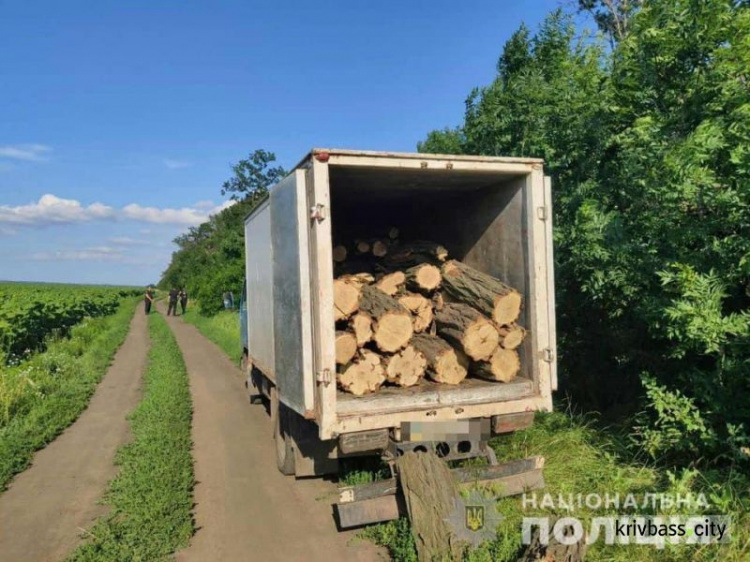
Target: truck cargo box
491,213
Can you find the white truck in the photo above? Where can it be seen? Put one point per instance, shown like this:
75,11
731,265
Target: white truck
492,213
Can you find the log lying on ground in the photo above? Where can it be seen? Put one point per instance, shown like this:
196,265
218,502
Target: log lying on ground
339,253
358,279
361,325
423,277
346,347
346,297
481,291
405,368
468,329
392,283
392,327
416,253
364,375
444,364
421,309
511,337
502,366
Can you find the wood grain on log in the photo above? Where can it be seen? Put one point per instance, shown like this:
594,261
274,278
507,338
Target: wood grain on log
361,325
346,297
444,363
363,375
421,309
502,366
405,368
512,336
494,298
379,248
468,329
424,277
346,347
392,326
391,283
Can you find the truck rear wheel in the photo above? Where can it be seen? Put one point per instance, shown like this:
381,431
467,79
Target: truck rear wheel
282,437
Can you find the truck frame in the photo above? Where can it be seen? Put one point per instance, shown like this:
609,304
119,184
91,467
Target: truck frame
493,213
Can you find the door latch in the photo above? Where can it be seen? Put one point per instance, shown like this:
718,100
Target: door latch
548,355
324,377
318,212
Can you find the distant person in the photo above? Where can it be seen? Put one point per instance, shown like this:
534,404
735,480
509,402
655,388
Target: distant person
172,308
183,299
148,298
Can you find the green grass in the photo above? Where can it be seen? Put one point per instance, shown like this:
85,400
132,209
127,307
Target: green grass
583,460
151,498
43,395
222,328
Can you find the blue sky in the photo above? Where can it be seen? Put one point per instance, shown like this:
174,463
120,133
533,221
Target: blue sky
119,120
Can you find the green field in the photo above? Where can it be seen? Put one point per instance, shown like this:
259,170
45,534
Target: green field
31,312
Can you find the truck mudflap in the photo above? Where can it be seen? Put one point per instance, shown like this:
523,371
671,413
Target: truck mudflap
381,501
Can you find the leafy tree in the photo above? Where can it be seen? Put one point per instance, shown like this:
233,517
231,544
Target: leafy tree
210,258
253,176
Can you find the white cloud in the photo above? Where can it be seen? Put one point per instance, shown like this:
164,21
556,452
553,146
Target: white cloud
207,204
176,164
126,241
53,210
28,152
95,253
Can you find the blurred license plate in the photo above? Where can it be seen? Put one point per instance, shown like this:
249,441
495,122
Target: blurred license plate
452,430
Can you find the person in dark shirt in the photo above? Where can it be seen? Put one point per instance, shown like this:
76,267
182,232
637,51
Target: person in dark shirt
148,298
172,308
183,299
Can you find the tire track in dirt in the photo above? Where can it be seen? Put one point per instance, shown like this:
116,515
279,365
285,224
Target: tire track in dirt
47,507
245,508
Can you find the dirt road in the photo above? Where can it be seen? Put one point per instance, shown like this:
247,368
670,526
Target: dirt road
46,508
245,509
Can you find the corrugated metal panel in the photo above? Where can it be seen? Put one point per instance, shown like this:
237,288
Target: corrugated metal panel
259,278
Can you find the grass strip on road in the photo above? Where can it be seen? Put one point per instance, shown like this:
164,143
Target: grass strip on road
222,328
45,394
151,499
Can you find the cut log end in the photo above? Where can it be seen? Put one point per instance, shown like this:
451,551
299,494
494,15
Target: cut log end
391,284
512,336
393,331
346,347
363,376
503,366
362,247
339,253
507,308
424,277
406,368
468,329
379,249
346,297
361,325
444,363
421,309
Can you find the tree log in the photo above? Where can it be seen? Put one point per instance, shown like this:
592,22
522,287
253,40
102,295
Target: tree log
512,336
444,363
468,329
346,297
392,327
421,309
392,283
362,246
358,279
339,253
485,293
361,325
379,248
346,347
393,233
364,375
415,253
423,277
503,366
405,368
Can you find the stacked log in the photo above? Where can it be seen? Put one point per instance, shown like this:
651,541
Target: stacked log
405,313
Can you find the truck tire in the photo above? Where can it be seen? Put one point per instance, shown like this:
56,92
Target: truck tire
282,437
